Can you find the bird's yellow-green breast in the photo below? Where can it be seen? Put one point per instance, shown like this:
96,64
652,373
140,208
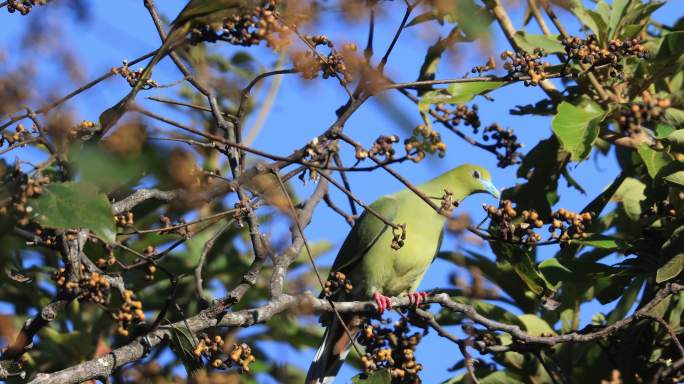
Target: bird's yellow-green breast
366,256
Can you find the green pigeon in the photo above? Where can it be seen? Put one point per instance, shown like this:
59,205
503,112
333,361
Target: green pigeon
376,271
196,12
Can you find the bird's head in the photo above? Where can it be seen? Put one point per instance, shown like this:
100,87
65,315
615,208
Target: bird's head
475,179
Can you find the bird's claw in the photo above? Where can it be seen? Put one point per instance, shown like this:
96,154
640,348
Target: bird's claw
416,298
383,302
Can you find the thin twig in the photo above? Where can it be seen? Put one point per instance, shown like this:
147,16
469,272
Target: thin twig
670,331
48,107
199,288
267,105
402,25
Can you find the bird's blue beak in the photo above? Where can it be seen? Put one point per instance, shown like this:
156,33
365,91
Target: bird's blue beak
490,188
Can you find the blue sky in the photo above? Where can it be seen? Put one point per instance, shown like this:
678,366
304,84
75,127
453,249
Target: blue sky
122,30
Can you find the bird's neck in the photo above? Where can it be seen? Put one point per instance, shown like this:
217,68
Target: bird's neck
449,180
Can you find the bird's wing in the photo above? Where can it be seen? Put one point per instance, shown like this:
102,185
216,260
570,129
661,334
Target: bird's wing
439,244
199,8
366,232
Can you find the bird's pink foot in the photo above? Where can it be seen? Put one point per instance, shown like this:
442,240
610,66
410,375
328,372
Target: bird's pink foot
415,298
383,302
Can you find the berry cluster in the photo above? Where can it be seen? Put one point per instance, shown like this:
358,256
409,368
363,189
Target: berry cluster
46,238
424,140
242,209
589,51
489,65
392,349
521,231
336,282
124,219
564,226
398,236
526,64
341,63
460,113
212,350
567,225
23,6
241,355
129,313
165,221
81,129
103,263
133,76
23,187
93,287
662,208
149,253
448,204
504,139
251,28
383,146
21,134
318,152
168,226
644,114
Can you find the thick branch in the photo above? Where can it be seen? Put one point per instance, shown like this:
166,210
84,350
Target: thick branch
307,303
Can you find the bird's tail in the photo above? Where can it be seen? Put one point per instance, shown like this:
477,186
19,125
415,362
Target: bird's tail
331,354
112,115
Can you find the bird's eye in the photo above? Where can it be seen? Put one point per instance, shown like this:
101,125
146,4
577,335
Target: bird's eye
476,174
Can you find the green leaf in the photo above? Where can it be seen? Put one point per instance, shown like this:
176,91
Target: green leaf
500,377
618,9
523,264
636,17
665,130
628,296
528,42
631,30
472,18
577,128
457,93
654,160
377,377
183,343
631,194
674,137
487,377
422,18
593,20
575,270
433,56
673,173
603,10
105,170
601,241
535,325
611,287
675,117
671,269
75,205
554,271
671,47
464,92
672,251
499,273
